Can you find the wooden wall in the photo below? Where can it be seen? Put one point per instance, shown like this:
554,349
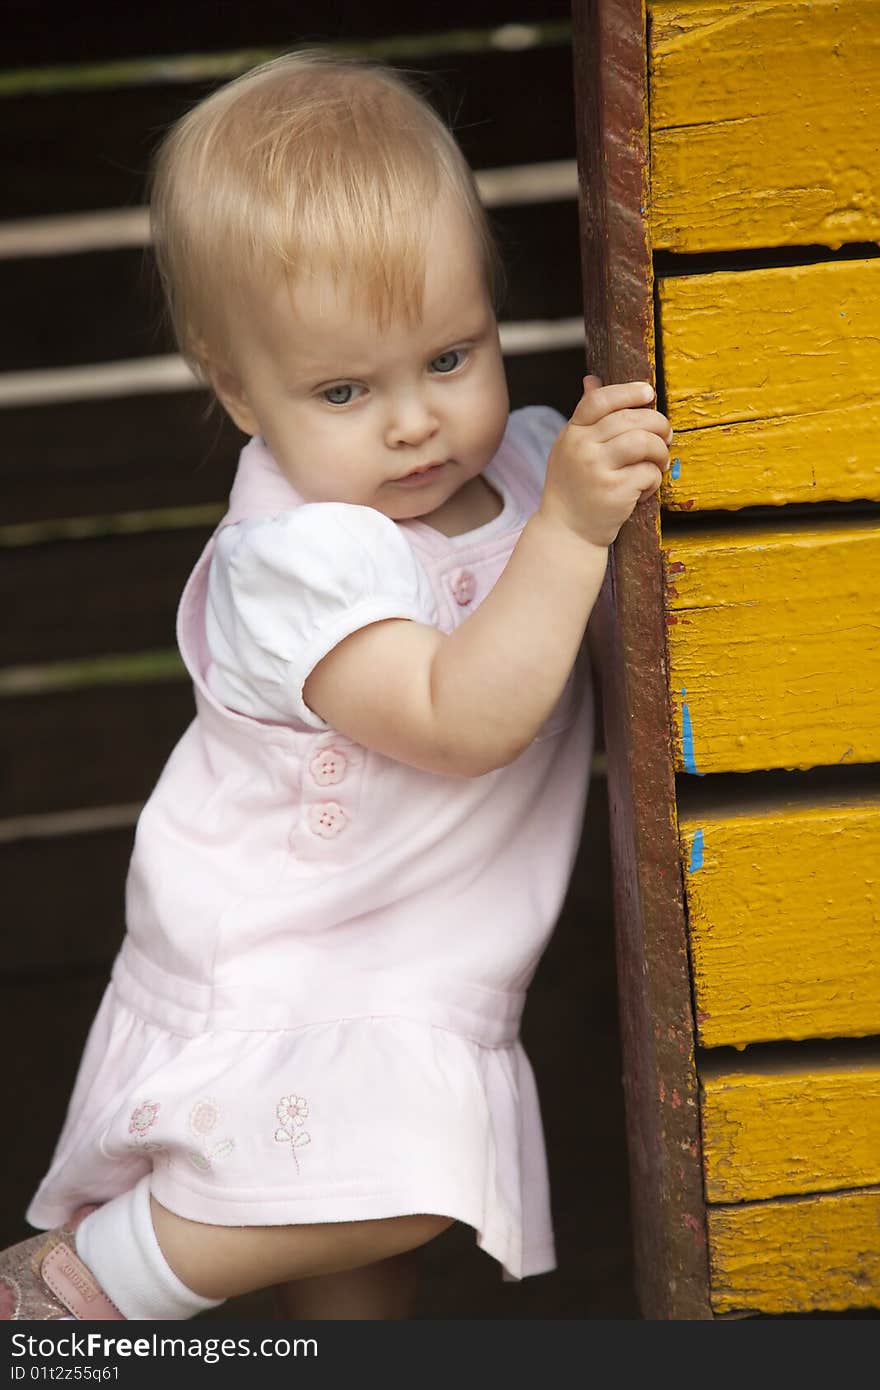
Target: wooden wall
771,379
762,203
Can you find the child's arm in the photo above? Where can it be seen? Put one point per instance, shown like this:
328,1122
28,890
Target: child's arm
468,703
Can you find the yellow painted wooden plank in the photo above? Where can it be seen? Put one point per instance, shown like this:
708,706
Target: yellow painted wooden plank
772,384
774,645
783,908
764,119
796,1254
790,1127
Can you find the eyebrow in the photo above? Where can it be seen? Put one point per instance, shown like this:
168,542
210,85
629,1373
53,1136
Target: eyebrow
316,369
474,330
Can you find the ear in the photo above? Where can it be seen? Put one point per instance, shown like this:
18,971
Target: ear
231,394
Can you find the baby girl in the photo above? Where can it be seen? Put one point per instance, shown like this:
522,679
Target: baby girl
307,1062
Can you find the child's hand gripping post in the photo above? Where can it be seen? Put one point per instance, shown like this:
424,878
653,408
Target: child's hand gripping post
612,453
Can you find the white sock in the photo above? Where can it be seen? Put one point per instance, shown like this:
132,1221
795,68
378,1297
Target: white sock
119,1245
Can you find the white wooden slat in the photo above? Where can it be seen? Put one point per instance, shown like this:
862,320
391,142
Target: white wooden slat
161,374
52,825
541,335
135,377
552,181
114,228
70,233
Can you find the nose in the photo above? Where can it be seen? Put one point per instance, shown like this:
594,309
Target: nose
411,421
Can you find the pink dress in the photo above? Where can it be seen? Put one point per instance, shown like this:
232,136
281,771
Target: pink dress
314,1014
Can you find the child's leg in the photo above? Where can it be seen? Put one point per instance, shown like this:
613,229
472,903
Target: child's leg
218,1262
378,1292
135,1259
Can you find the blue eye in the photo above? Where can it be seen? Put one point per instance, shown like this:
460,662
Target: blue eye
339,395
448,361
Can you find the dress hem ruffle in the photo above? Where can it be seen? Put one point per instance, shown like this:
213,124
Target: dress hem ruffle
433,1122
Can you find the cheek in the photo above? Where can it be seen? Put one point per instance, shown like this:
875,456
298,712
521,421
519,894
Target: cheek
495,383
338,457
320,437
492,406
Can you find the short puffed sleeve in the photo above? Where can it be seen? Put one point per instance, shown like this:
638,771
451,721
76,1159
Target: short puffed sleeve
284,590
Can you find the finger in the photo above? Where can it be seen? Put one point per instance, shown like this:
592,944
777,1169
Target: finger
591,383
623,421
654,486
597,402
647,479
636,447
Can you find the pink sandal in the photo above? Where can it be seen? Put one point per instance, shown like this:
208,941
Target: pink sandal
44,1280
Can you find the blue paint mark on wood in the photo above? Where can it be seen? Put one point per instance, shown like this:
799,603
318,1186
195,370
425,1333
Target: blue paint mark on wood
696,852
676,468
687,739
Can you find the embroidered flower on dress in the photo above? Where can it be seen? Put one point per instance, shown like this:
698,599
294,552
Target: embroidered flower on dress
142,1117
204,1116
203,1120
291,1111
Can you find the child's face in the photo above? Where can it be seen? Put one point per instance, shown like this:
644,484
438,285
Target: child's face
349,412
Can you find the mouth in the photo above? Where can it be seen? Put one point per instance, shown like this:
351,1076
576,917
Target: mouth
425,474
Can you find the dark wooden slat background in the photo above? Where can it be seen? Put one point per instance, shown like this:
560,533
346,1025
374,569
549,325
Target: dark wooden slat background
93,749
77,150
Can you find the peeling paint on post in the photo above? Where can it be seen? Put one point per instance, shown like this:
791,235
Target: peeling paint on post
657,1027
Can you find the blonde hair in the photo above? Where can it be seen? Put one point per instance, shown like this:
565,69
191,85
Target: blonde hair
310,161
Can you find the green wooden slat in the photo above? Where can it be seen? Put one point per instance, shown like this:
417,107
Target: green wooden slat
134,669
206,67
82,528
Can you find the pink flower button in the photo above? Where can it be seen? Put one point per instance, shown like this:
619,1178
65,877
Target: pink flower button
463,586
328,766
326,819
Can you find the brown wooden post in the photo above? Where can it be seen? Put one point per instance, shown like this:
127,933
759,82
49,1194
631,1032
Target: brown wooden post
657,1030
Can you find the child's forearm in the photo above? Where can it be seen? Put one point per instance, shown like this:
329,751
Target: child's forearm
495,680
